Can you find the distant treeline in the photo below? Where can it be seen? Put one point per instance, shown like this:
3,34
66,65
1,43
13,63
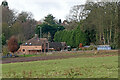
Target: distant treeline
98,24
92,23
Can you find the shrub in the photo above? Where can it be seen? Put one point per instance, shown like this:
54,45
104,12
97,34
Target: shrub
5,50
113,46
92,48
13,44
3,39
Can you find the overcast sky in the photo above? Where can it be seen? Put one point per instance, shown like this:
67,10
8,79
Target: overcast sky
41,8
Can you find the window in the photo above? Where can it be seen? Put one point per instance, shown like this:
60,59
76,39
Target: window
30,43
42,50
23,50
25,43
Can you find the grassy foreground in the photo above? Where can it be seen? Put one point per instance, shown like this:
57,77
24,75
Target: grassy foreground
92,67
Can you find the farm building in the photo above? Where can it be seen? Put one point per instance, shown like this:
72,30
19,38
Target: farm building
34,45
58,46
103,47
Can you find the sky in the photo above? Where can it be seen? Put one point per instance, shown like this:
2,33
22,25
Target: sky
41,8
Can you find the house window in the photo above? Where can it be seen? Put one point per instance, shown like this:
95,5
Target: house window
42,50
25,43
30,43
23,50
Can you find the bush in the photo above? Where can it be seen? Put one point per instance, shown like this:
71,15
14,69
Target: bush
77,49
92,48
13,44
113,46
2,36
5,50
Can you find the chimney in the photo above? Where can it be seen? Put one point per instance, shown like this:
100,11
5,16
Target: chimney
60,21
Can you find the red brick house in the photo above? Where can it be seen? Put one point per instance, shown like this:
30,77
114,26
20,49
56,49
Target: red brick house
34,45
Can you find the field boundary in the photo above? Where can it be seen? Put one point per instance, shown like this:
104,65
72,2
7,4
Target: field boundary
61,56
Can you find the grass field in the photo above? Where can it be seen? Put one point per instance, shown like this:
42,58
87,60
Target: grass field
81,67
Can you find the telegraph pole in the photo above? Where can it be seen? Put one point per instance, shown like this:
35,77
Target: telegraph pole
40,32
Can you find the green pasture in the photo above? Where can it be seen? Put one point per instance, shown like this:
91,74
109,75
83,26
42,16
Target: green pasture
80,67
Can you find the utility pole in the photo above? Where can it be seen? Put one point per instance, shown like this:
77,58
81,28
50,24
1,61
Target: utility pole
40,31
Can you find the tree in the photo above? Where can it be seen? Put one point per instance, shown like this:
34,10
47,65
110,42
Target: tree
27,25
71,25
13,44
102,22
5,50
118,26
6,30
77,13
49,19
8,18
49,26
72,38
98,20
21,25
3,39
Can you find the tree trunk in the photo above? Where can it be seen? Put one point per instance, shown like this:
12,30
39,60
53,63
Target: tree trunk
104,38
107,37
97,39
115,41
100,38
110,34
115,36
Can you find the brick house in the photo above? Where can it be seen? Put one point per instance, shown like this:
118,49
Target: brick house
34,45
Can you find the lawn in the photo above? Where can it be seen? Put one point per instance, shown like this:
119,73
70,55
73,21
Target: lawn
80,67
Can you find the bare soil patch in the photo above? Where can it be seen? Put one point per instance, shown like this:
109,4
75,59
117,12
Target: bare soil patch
62,55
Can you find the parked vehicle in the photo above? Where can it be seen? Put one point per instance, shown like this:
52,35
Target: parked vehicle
69,48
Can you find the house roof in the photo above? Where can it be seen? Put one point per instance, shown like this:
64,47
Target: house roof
35,41
55,45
